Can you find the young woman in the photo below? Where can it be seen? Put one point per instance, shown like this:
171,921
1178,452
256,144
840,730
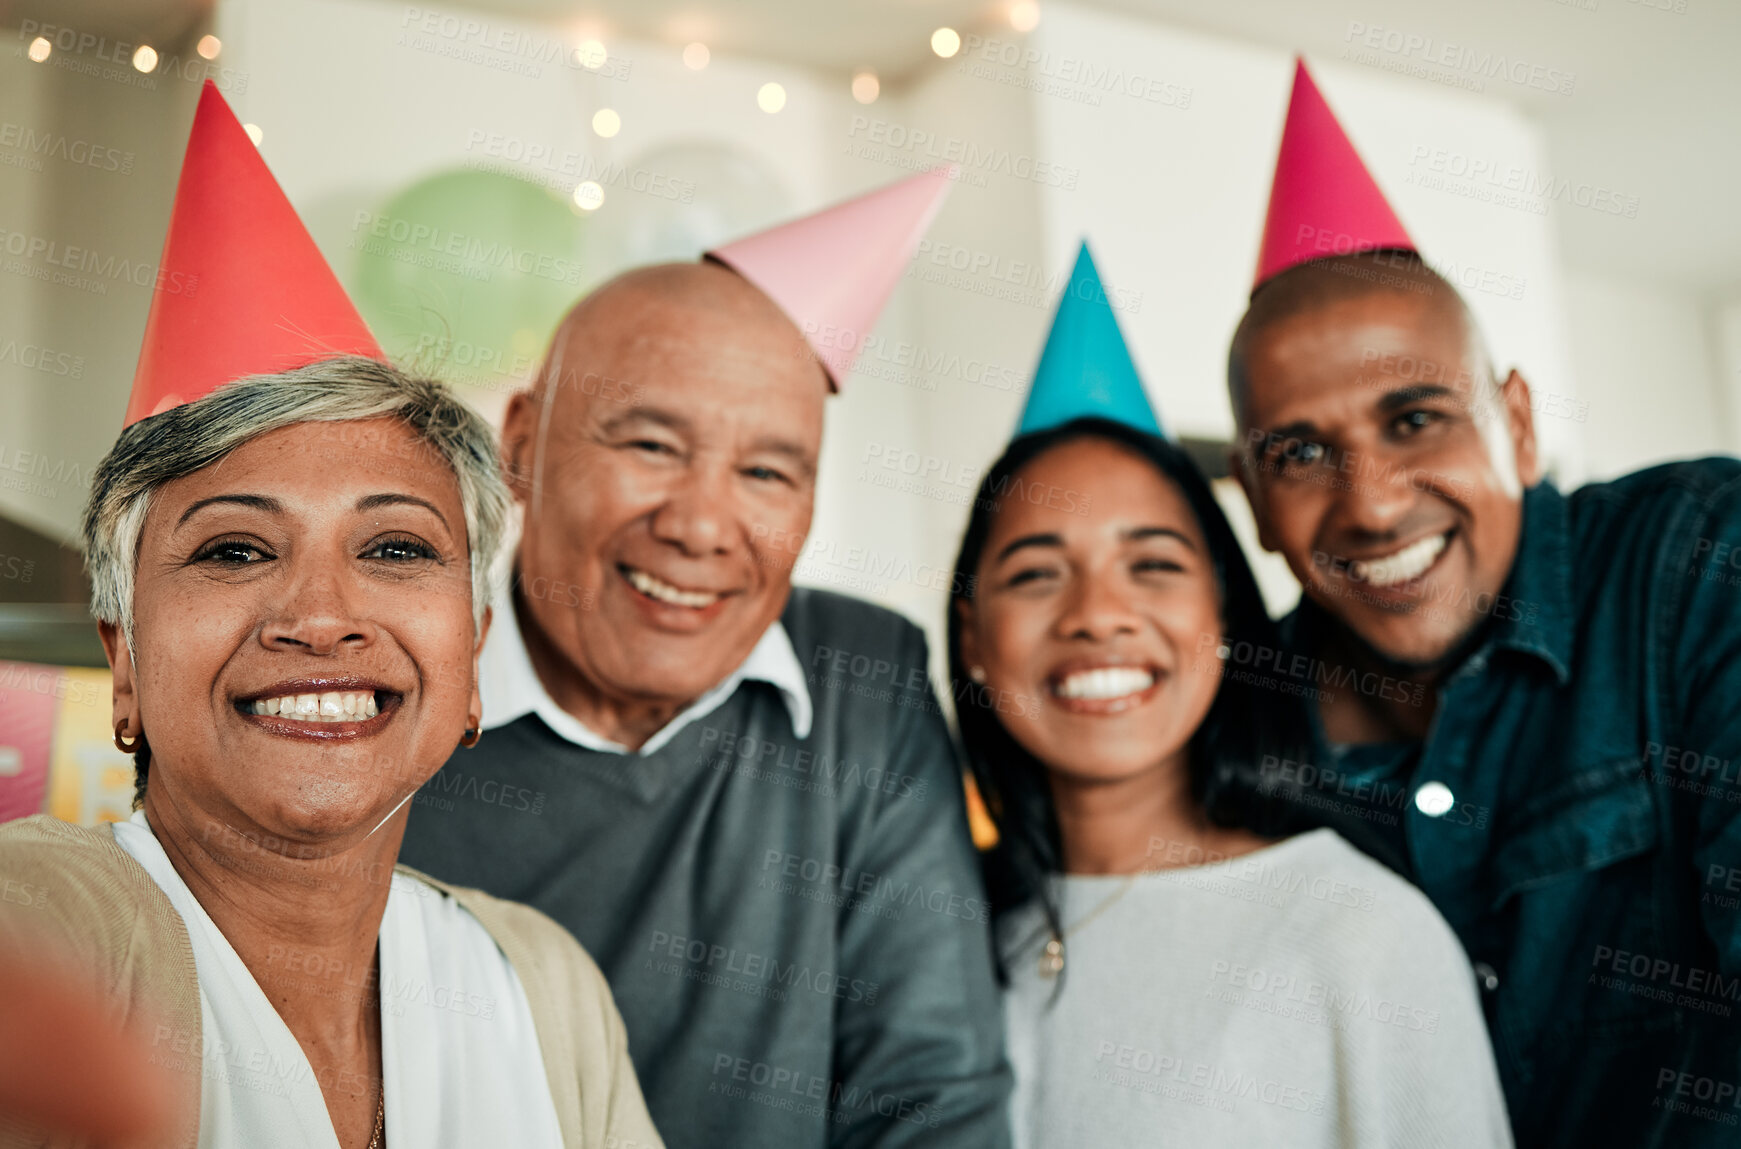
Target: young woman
1179,969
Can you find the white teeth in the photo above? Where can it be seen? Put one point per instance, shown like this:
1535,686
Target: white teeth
1104,683
1409,563
330,706
665,592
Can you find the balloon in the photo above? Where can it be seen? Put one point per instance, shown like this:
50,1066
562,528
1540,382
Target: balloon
466,273
676,201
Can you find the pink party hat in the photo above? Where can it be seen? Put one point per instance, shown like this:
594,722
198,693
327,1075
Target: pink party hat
1323,201
832,272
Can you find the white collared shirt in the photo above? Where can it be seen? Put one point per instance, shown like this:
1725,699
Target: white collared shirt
511,688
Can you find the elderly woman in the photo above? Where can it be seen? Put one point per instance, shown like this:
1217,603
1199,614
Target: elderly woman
289,578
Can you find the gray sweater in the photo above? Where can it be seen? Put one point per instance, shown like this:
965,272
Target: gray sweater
794,930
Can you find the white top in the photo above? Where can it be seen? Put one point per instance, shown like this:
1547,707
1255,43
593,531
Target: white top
1301,995
459,1051
511,689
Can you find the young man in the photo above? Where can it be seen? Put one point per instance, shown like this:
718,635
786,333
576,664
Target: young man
742,797
1531,702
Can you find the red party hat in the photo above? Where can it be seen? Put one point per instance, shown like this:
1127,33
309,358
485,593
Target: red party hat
1323,201
242,289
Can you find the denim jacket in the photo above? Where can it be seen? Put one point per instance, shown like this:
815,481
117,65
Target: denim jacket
1575,810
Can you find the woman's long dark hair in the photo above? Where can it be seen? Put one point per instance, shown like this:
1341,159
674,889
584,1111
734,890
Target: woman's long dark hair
1247,724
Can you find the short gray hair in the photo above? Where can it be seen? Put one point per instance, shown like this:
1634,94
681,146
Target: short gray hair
195,435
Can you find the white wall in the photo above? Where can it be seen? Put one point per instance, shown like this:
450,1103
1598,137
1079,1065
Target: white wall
1646,370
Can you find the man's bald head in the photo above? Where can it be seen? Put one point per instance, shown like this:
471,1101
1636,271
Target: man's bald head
652,313
1321,285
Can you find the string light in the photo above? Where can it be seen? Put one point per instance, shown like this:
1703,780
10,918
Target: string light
145,59
209,46
40,49
946,42
606,122
254,133
591,55
589,196
865,87
771,98
695,56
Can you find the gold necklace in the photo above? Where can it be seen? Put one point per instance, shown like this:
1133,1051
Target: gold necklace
380,1117
1052,957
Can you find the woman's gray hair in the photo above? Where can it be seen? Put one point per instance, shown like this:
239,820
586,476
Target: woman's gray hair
185,439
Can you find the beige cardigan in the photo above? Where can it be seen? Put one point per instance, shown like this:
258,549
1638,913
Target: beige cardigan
89,895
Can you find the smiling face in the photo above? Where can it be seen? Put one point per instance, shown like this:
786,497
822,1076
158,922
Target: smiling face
1103,616
1386,466
304,647
667,467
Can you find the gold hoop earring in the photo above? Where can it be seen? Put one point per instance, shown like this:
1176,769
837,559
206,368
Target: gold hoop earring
124,746
472,735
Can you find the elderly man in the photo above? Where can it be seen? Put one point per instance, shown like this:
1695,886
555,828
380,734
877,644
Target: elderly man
740,796
1532,701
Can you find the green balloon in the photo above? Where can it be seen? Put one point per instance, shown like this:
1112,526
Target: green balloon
465,274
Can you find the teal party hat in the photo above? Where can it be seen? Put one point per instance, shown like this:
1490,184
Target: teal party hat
1086,368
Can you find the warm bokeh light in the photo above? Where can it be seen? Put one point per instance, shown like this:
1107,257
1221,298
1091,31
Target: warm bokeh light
589,196
946,42
591,54
865,87
40,49
696,56
606,122
771,98
1025,15
254,133
145,59
209,46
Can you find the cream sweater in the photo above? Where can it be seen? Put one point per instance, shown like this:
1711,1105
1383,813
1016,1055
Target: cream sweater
1301,995
106,913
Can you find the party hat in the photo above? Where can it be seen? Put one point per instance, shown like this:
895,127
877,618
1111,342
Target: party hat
1086,368
832,272
241,289
1323,201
